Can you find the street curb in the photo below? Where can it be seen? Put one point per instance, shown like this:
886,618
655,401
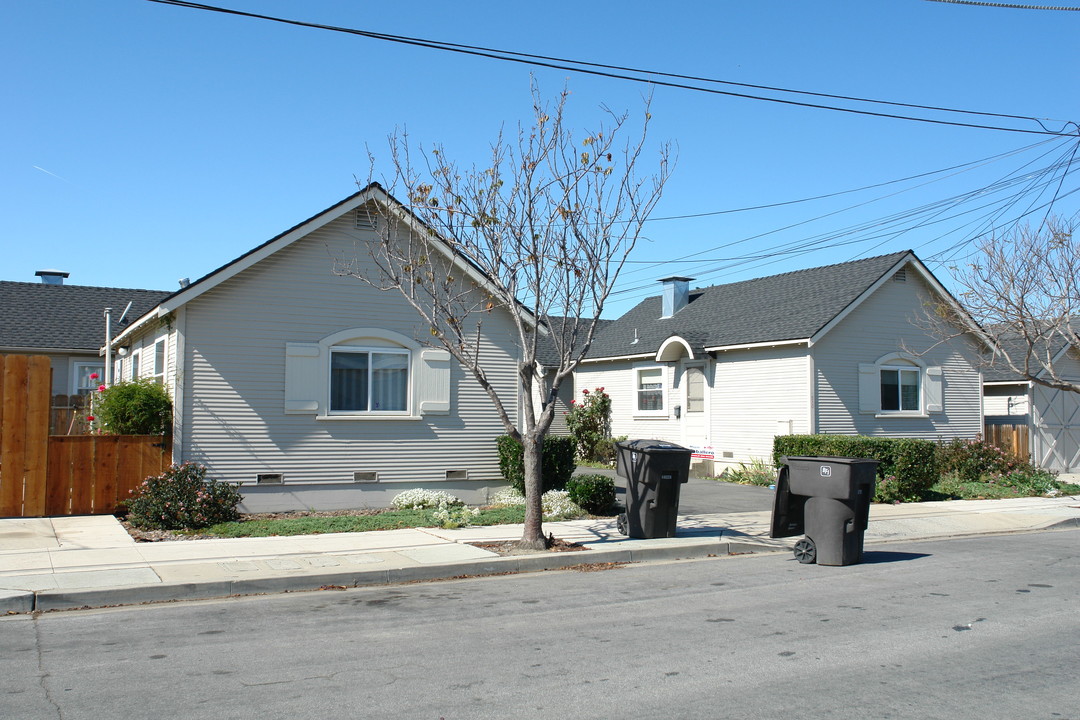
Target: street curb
42,600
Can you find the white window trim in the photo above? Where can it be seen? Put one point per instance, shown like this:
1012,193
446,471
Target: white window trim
920,373
663,412
928,406
77,365
410,381
157,376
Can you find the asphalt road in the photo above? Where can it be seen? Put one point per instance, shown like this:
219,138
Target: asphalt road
973,628
701,496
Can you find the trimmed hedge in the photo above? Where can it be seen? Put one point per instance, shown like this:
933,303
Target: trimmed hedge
557,462
907,470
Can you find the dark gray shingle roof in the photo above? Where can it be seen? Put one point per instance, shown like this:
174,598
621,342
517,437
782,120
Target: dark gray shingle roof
546,352
790,306
40,316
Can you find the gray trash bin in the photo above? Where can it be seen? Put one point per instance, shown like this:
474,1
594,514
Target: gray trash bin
828,500
654,471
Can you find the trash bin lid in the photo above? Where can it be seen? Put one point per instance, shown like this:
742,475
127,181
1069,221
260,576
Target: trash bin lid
653,446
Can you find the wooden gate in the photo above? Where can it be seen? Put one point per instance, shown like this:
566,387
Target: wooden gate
1013,438
63,475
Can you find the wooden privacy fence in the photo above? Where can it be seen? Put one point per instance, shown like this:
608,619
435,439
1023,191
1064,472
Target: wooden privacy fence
1013,438
62,475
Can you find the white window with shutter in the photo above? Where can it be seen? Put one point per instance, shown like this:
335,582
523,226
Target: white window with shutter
900,385
366,373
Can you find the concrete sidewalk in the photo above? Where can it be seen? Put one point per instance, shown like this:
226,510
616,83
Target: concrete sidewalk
91,561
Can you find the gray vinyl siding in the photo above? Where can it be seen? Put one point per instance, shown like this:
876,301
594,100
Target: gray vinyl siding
884,323
234,355
758,394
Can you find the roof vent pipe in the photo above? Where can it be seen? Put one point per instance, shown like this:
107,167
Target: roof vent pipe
676,294
52,277
184,282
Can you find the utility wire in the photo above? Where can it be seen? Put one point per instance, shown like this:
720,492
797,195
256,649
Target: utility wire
1009,5
561,64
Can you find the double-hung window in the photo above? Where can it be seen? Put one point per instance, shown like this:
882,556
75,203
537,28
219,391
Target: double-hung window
368,380
84,384
650,390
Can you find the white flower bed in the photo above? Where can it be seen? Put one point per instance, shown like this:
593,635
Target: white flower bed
417,499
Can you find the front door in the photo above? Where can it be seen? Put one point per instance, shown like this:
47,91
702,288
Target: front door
695,424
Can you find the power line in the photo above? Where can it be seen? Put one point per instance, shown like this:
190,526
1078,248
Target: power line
561,64
1009,5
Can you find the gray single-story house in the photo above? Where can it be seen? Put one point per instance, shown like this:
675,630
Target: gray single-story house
835,349
315,389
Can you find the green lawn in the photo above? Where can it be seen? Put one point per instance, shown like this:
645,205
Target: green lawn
389,520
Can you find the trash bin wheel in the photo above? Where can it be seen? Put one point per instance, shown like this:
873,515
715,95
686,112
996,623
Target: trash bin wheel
806,551
621,522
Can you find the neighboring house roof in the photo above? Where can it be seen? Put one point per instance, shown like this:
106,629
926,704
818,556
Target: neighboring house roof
64,318
998,371
794,306
546,352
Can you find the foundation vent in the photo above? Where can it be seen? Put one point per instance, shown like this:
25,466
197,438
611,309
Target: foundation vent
457,474
269,479
365,476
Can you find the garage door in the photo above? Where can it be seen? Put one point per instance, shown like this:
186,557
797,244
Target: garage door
1056,418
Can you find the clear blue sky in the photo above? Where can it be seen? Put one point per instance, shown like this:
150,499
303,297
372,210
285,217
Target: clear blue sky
144,143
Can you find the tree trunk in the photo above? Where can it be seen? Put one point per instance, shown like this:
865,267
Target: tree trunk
532,538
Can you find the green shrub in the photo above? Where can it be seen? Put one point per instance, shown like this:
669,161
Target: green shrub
557,462
181,498
907,468
142,407
970,460
589,423
605,450
759,472
593,493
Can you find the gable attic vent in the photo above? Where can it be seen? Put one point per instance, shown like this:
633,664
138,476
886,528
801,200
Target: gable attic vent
52,277
900,276
366,219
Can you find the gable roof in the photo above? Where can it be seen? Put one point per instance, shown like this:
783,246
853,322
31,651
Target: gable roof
547,353
790,307
372,192
39,317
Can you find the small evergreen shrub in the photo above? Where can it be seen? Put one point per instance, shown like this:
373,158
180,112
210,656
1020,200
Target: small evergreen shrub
593,493
907,468
606,450
181,498
557,462
142,407
418,499
970,460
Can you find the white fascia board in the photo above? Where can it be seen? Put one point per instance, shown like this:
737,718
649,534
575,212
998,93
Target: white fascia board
751,346
139,323
619,357
19,350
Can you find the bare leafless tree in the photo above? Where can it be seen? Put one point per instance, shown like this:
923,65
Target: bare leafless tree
1022,293
541,230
